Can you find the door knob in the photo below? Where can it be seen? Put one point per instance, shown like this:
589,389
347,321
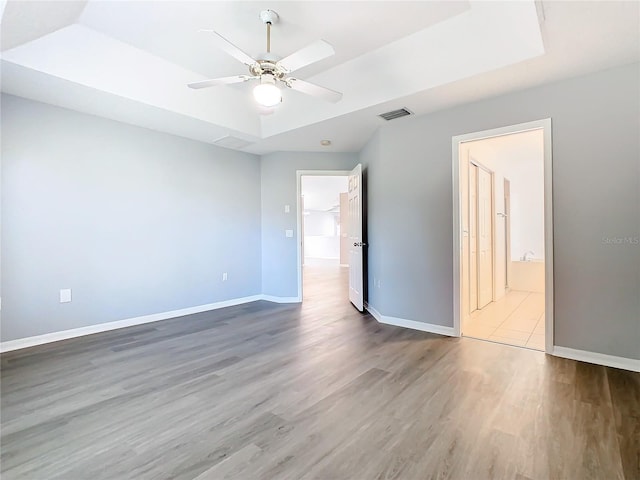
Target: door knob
359,244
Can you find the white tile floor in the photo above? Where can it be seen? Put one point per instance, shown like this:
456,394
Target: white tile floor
515,319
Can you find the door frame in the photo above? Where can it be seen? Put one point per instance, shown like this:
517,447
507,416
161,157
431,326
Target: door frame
545,126
299,212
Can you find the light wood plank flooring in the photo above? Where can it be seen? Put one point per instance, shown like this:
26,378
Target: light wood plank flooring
515,319
266,391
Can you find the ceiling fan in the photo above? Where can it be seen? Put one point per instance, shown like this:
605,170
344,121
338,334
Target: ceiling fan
271,71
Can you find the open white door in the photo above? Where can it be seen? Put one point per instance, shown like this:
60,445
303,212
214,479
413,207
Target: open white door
485,238
356,275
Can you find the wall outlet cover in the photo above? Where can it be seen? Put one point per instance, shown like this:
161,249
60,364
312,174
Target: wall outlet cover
65,295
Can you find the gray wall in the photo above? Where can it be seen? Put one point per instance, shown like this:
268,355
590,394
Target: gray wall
138,222
134,221
279,253
596,188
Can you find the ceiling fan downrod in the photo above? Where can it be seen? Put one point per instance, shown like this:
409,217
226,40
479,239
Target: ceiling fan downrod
269,17
268,37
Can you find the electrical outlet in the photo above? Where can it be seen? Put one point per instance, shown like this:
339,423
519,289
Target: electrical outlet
288,233
224,276
65,295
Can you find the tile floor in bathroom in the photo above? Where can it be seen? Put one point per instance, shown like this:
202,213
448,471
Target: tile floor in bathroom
516,319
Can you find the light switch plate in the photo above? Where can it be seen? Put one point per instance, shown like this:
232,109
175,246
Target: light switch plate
65,295
287,209
288,233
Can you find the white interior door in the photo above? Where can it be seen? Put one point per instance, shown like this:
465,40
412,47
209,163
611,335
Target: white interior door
507,234
356,275
499,239
473,237
485,238
344,229
302,228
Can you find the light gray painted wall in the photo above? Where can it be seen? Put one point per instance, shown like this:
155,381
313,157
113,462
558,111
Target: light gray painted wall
279,254
134,221
596,188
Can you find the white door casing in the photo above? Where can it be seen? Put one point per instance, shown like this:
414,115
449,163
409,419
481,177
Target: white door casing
356,274
458,237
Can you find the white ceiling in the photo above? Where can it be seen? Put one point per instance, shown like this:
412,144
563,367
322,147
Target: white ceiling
130,61
322,193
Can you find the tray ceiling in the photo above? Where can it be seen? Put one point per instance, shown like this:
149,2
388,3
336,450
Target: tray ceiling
131,61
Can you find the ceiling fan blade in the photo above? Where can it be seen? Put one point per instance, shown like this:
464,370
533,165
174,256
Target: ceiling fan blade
313,89
224,44
306,56
220,81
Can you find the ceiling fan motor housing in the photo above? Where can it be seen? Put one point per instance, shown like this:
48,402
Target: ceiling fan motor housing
267,63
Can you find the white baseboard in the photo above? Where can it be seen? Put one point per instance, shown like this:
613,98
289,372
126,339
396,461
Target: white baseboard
271,298
581,355
374,313
127,322
597,358
412,324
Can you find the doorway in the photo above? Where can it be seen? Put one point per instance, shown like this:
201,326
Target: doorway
323,228
324,220
503,258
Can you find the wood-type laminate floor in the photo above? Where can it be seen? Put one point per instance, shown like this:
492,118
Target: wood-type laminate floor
318,390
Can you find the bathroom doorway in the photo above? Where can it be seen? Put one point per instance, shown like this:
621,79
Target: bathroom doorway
502,230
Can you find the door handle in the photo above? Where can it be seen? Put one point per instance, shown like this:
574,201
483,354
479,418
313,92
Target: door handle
359,244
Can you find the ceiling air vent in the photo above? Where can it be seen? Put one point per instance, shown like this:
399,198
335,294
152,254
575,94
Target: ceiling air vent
230,141
403,112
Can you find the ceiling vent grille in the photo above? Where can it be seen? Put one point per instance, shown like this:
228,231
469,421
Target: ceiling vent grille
229,141
402,112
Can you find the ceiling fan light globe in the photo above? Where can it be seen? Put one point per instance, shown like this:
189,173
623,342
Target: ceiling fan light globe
267,94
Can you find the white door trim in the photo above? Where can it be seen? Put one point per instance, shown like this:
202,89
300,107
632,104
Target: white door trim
299,239
545,125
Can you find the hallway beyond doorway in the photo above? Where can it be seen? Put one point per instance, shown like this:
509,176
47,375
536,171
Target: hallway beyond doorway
325,282
516,319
